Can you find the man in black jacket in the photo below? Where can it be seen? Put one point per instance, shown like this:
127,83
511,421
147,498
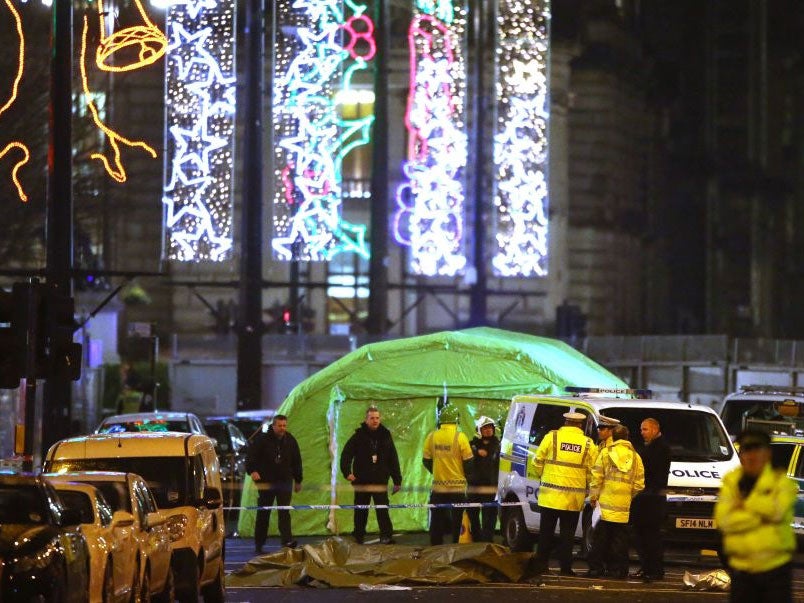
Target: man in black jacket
649,506
368,460
483,480
274,463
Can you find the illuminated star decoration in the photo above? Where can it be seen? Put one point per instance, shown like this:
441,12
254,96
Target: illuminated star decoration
521,139
431,204
13,97
199,130
320,45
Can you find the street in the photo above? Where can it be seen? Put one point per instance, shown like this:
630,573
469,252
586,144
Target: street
550,588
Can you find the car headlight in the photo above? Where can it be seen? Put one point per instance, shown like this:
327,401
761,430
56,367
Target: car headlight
177,524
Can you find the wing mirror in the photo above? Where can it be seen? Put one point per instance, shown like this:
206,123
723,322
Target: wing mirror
122,519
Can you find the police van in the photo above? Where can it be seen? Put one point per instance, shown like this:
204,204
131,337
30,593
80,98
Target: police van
701,453
776,409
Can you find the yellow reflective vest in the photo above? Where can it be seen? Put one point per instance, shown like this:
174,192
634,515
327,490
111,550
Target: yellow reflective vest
617,476
448,448
757,535
563,462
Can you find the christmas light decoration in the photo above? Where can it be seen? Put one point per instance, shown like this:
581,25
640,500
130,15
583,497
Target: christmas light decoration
431,204
12,98
521,138
200,83
320,46
129,48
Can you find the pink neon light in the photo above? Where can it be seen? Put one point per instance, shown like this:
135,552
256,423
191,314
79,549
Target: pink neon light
287,180
366,34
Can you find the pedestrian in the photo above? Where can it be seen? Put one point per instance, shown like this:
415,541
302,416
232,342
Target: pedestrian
448,456
483,480
617,476
754,511
368,460
274,463
563,463
648,508
605,425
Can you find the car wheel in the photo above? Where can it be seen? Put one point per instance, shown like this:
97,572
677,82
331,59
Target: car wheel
516,532
168,594
145,587
108,583
216,592
588,531
192,591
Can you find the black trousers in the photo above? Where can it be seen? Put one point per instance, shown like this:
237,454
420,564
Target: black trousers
568,522
610,549
647,517
483,531
445,519
773,586
279,494
363,497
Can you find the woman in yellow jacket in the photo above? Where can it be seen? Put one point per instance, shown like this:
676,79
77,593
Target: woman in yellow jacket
754,511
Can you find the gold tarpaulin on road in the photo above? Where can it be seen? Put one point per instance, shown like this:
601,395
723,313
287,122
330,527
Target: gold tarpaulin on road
337,562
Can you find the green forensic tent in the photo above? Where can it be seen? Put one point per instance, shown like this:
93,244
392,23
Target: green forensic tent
478,370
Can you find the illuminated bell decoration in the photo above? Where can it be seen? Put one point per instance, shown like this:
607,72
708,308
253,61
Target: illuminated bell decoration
130,48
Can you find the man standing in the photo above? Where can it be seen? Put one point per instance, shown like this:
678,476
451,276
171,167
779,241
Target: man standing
754,511
483,480
274,463
648,507
605,427
368,459
618,474
563,463
448,456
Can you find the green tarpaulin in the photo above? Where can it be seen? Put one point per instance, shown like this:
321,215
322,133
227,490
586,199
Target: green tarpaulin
478,369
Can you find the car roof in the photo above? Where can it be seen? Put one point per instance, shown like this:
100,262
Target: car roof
16,478
787,439
599,404
148,416
260,414
129,444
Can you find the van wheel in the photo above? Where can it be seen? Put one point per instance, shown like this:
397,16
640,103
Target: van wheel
586,537
215,592
515,531
192,592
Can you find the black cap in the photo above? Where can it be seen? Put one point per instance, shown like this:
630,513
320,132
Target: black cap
751,438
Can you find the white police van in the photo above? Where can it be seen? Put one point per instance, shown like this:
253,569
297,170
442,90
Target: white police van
701,453
776,409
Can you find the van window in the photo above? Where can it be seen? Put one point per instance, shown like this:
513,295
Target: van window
546,417
781,454
693,436
737,410
799,471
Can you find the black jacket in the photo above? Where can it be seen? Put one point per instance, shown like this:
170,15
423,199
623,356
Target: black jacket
275,459
656,458
485,468
358,457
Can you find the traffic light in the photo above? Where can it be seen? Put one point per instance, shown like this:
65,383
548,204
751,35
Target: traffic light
62,354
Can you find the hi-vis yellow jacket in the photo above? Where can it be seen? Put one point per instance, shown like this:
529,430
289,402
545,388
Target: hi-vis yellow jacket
448,448
757,535
617,476
563,463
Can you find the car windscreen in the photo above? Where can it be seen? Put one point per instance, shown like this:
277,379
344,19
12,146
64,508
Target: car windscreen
22,504
147,425
693,436
736,411
219,432
165,476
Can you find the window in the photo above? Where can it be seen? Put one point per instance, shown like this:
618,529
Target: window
546,417
79,501
798,473
781,455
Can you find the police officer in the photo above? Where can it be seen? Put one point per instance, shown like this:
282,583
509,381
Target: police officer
618,474
368,460
483,479
448,456
605,426
563,462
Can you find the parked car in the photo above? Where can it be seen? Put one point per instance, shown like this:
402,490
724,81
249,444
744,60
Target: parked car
771,408
183,473
230,444
249,421
147,422
135,539
43,554
788,453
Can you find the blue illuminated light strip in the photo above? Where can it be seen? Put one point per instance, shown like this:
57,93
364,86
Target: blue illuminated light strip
320,46
521,138
430,212
200,85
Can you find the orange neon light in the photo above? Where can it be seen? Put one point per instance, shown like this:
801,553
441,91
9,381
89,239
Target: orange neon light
146,42
12,97
118,172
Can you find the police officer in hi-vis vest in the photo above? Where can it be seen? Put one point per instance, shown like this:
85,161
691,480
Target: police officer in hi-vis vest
563,463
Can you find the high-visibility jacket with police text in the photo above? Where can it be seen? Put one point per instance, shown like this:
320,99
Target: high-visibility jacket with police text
757,535
563,462
448,448
617,476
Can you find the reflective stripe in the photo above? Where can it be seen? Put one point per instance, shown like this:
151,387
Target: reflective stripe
563,488
585,451
624,480
614,508
565,464
449,482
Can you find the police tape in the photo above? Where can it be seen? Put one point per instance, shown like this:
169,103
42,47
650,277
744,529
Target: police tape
472,505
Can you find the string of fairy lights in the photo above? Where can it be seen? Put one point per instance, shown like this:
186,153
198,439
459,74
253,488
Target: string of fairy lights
320,46
323,49
430,214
